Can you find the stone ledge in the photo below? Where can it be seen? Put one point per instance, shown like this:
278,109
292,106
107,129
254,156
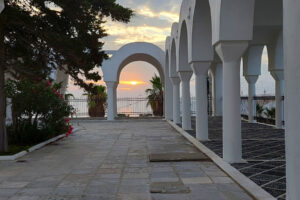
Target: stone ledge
33,148
169,188
177,157
244,182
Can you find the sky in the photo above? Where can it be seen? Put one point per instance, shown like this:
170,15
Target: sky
152,23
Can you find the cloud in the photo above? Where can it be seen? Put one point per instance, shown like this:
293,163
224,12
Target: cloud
139,33
169,16
151,23
124,89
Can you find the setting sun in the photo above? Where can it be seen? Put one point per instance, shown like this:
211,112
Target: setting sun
133,83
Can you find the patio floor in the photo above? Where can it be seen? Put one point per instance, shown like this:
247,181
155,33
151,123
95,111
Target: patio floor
110,161
263,149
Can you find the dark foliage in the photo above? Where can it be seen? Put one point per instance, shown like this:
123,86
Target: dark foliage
39,112
37,36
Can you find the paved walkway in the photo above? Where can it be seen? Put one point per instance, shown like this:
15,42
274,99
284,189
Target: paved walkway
110,161
263,149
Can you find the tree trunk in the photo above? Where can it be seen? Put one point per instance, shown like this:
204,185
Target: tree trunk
3,135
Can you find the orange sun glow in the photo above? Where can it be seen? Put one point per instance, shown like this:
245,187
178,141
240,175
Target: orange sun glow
133,83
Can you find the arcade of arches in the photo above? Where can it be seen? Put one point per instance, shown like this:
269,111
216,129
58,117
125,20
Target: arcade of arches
210,38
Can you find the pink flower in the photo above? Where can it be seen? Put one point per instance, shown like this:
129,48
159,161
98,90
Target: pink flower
67,120
56,93
48,83
69,131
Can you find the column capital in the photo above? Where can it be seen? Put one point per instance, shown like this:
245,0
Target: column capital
231,50
251,79
116,85
277,74
175,80
200,67
252,60
214,66
185,76
111,84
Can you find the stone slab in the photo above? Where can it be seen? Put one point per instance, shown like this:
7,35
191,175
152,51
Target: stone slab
169,188
249,186
177,157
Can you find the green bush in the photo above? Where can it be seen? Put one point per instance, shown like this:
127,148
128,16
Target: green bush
39,111
270,113
97,101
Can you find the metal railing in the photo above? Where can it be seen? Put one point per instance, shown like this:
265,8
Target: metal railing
80,106
193,105
135,107
265,102
127,106
132,107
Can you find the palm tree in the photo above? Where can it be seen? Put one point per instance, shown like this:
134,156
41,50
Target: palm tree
97,101
156,96
259,110
270,113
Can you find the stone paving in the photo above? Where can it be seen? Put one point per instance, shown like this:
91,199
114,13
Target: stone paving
110,161
263,149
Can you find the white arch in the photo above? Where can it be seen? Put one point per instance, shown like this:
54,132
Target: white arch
200,38
185,73
172,47
137,51
168,92
183,50
228,26
171,44
168,57
195,16
173,60
184,34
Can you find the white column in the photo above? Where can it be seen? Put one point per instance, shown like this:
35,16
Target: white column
8,104
176,99
8,112
276,67
291,29
201,70
63,78
279,93
230,53
251,72
168,99
2,5
251,94
213,88
217,79
110,100
115,100
219,89
185,78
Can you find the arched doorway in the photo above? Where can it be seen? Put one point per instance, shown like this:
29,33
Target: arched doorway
135,91
138,51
